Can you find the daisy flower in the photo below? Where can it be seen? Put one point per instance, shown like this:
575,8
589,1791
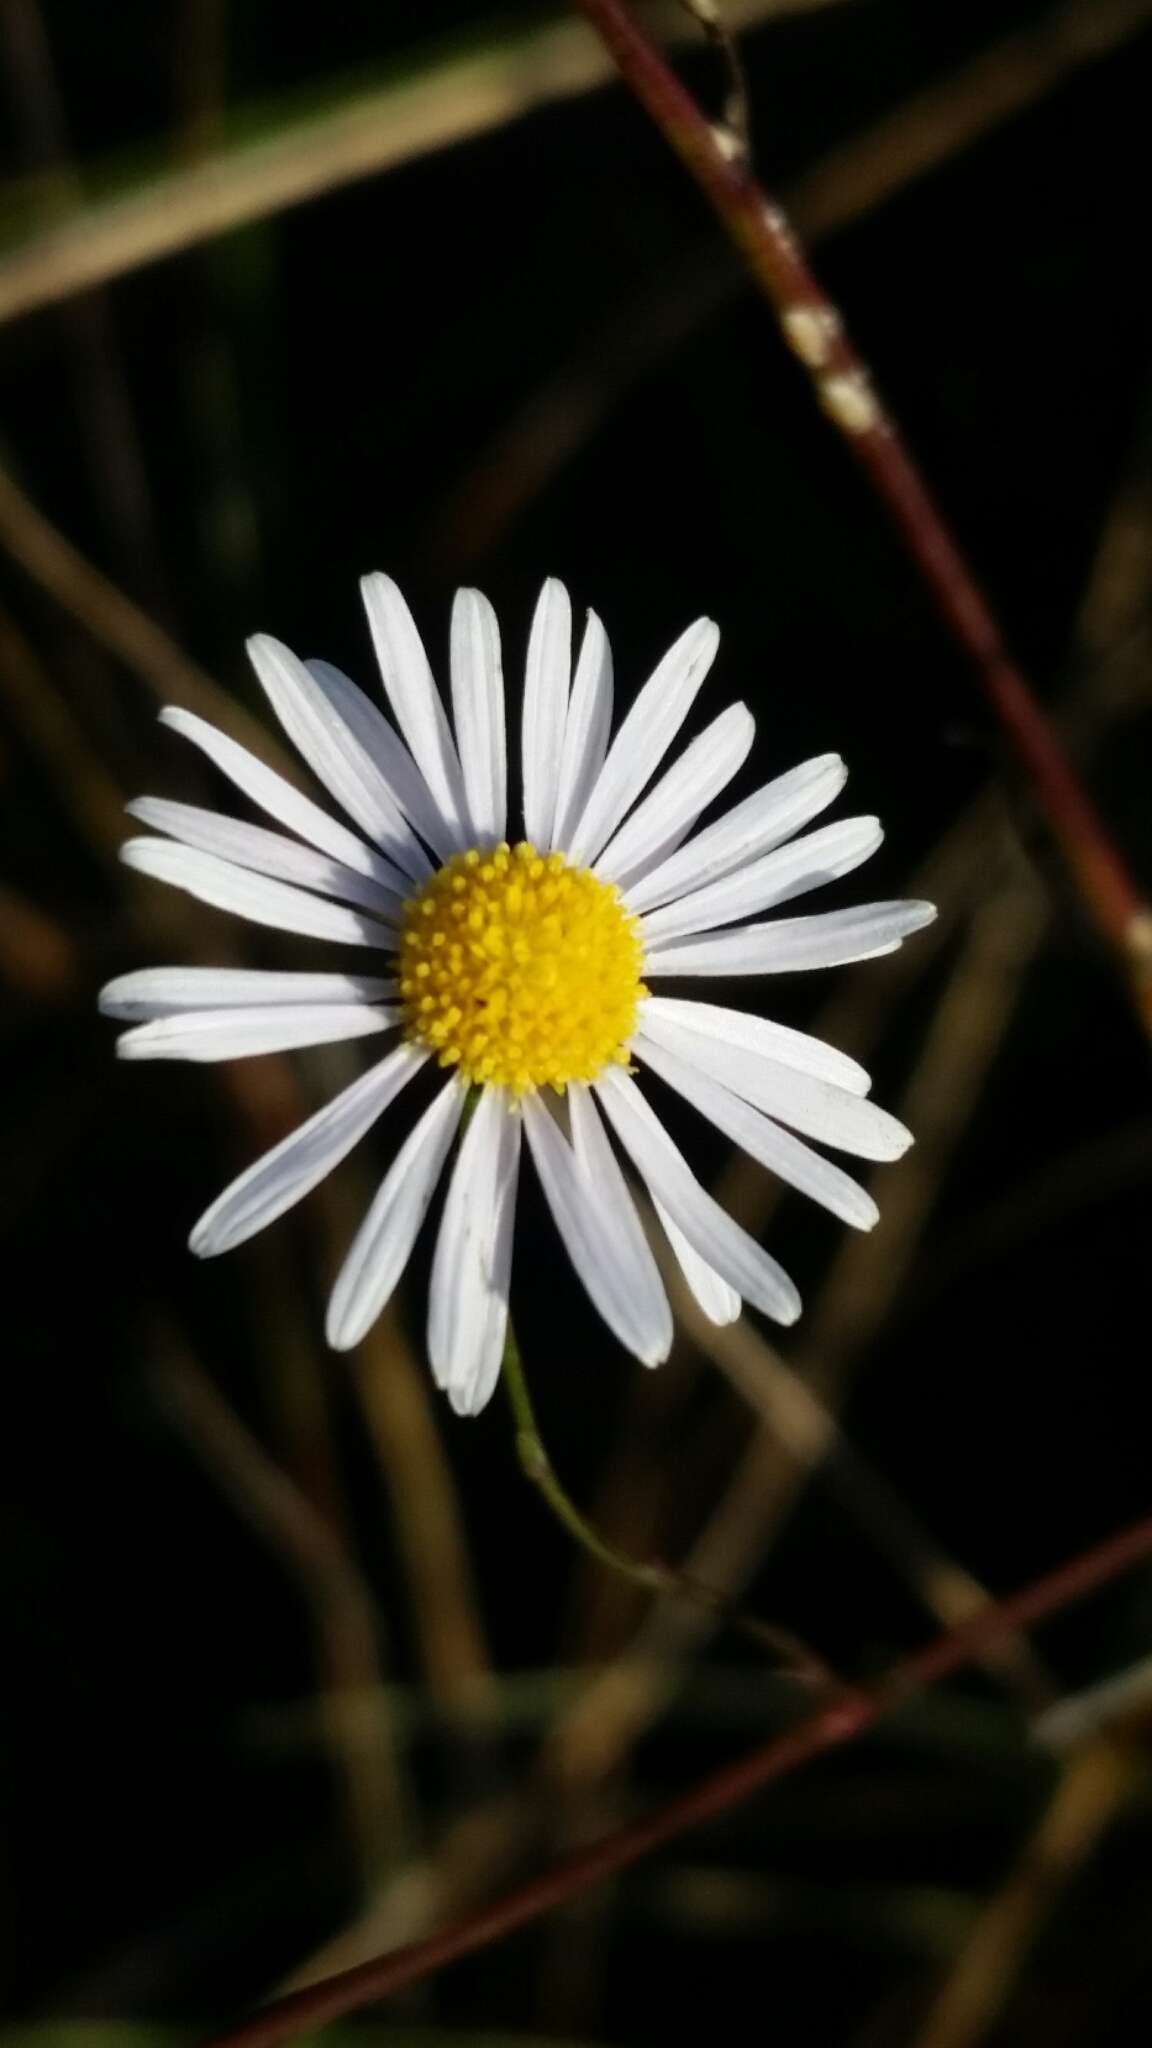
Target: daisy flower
518,969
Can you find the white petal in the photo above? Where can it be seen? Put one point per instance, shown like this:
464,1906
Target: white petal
756,1134
601,1264
763,820
547,675
586,729
387,751
658,825
645,737
478,705
791,945
468,1295
608,1194
253,896
831,1115
277,797
712,1295
773,879
333,752
238,1034
165,991
384,1241
416,701
470,1398
295,1166
757,1034
714,1235
269,853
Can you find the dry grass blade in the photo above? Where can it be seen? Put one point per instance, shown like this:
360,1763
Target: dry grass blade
120,626
448,101
1092,1788
352,1698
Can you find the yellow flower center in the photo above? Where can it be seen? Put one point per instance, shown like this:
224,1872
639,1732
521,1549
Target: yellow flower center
520,970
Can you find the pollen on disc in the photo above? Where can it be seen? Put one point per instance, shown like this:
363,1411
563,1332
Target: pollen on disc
520,970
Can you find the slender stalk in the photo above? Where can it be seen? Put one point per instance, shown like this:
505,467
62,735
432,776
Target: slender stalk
650,1576
844,1718
813,328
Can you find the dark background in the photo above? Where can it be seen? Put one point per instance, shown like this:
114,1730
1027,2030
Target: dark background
530,354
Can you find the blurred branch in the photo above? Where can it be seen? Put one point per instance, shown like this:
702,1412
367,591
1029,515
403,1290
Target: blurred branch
445,101
89,795
37,957
814,329
842,1721
920,135
934,125
1090,1791
1122,1702
343,1612
121,626
103,401
199,76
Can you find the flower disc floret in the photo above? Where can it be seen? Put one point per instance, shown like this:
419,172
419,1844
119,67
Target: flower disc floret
520,970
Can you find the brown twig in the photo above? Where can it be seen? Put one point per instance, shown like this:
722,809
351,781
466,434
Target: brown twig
848,1716
814,330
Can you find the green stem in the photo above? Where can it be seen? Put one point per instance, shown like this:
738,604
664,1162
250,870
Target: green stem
650,1577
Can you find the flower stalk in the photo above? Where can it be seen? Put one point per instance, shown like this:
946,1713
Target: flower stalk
650,1576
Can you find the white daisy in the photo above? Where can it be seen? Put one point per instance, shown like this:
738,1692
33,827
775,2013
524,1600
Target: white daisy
521,970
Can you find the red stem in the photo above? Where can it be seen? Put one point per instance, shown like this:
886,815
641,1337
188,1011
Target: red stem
814,330
843,1718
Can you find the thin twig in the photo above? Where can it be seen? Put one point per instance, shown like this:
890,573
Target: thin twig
736,130
814,329
841,1721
